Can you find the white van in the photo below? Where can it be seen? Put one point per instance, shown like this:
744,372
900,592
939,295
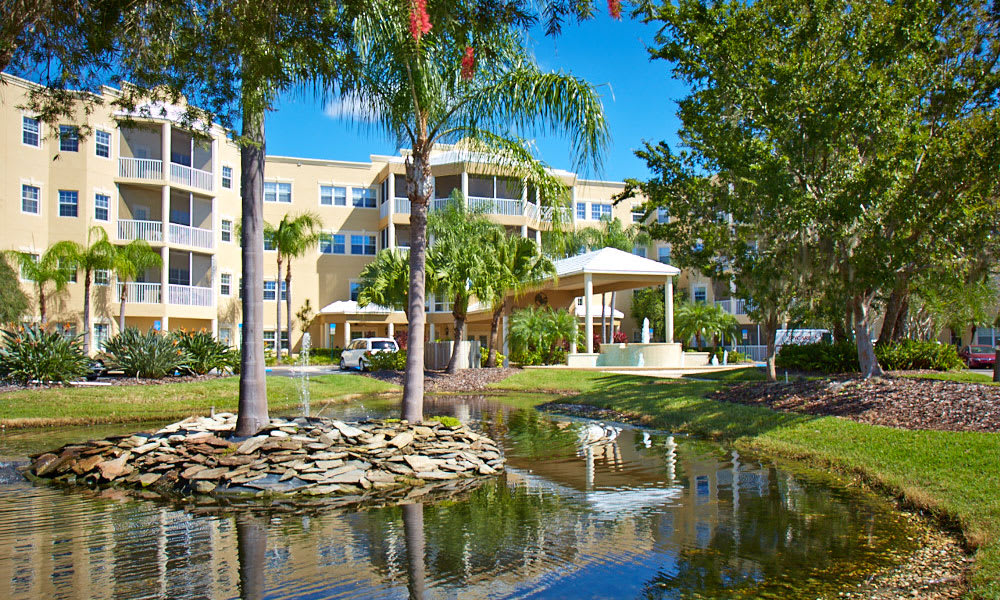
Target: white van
356,352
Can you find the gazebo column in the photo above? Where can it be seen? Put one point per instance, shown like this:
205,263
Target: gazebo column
668,310
347,332
588,319
391,329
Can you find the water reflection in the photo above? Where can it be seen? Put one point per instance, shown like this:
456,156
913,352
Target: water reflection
645,514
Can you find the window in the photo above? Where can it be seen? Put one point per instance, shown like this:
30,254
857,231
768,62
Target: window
68,202
985,336
100,335
226,336
332,196
662,215
581,211
269,339
102,203
227,177
663,255
331,243
284,291
29,199
270,290
102,277
225,284
69,268
180,217
178,276
637,216
355,287
600,211
639,251
268,242
226,227
69,139
363,244
102,139
700,293
277,192
24,274
30,132
363,197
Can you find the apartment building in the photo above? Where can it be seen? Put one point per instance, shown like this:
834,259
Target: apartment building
178,189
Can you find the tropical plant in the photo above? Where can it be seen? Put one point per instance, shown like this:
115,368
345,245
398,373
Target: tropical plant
519,266
908,355
13,300
147,355
464,263
612,234
384,281
421,80
29,354
204,352
130,261
49,268
387,361
98,254
701,320
291,237
821,357
541,335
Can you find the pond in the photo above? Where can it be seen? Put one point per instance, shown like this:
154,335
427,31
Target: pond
645,515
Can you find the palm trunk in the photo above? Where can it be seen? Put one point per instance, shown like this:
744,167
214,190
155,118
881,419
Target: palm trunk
491,355
866,352
277,305
121,308
86,312
418,188
41,306
253,389
460,313
413,532
288,305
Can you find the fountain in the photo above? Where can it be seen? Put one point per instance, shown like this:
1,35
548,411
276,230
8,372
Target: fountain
645,330
304,373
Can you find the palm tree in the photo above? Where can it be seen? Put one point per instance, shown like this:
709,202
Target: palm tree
49,268
130,261
423,85
543,330
291,238
702,320
466,264
519,266
384,281
612,234
98,254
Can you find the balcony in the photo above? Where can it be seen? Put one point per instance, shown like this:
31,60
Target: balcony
131,229
196,178
191,236
733,306
146,169
383,210
496,206
402,205
190,295
140,293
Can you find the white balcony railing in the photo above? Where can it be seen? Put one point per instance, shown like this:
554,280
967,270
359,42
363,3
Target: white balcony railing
402,205
191,236
439,203
754,353
190,295
383,210
733,306
496,206
531,212
548,212
195,178
140,168
132,229
140,293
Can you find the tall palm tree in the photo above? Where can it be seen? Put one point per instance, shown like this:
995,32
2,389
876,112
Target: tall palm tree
613,234
385,281
466,264
291,238
130,261
98,254
430,85
519,266
48,268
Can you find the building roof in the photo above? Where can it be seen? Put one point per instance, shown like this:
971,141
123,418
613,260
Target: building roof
350,307
611,261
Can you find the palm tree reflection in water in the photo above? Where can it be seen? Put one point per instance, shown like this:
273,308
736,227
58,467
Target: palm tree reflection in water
413,529
251,544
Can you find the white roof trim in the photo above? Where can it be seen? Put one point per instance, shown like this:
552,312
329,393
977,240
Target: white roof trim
350,307
611,261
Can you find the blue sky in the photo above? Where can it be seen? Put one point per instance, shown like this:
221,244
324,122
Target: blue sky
639,101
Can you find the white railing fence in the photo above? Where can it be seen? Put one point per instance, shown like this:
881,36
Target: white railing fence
733,306
140,293
140,168
188,176
754,353
402,205
132,229
383,210
189,295
496,206
191,236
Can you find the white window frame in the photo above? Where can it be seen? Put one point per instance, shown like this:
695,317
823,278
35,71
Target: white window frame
660,252
20,270
600,207
59,204
75,135
97,145
102,281
662,215
577,209
38,131
333,194
350,284
38,198
349,238
222,173
694,293
73,273
223,230
365,189
274,290
229,285
106,194
277,191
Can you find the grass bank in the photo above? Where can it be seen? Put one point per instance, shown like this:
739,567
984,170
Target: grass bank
954,474
132,403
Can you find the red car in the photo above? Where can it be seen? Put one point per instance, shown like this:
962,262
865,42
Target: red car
978,356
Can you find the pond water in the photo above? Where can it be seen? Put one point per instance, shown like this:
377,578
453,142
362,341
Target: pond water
648,515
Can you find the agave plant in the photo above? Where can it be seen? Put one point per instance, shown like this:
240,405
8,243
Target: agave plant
148,355
205,353
29,354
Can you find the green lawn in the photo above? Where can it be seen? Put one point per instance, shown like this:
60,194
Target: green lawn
118,404
959,376
956,475
744,374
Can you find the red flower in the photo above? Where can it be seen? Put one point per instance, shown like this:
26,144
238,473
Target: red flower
468,63
615,9
420,21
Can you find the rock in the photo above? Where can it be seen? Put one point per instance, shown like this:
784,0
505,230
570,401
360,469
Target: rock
110,469
486,470
279,433
148,479
251,445
380,476
346,430
204,487
209,474
423,431
192,471
144,448
235,461
436,475
328,464
45,463
402,440
86,465
354,476
420,463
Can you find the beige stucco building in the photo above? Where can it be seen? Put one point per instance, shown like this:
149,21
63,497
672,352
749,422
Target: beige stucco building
151,178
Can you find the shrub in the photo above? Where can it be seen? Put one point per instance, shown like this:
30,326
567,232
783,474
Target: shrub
336,353
540,335
485,356
30,354
387,361
840,357
734,356
149,355
908,355
204,352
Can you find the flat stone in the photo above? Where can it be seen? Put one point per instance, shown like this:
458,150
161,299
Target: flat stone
436,475
209,474
251,445
346,429
423,431
486,470
147,479
204,487
279,433
86,465
192,471
328,464
398,468
234,461
355,476
380,476
328,455
144,448
402,440
45,463
110,469
420,463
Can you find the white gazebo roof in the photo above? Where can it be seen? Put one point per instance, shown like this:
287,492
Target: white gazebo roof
350,307
611,261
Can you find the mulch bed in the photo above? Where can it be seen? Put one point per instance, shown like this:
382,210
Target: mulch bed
466,380
891,401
